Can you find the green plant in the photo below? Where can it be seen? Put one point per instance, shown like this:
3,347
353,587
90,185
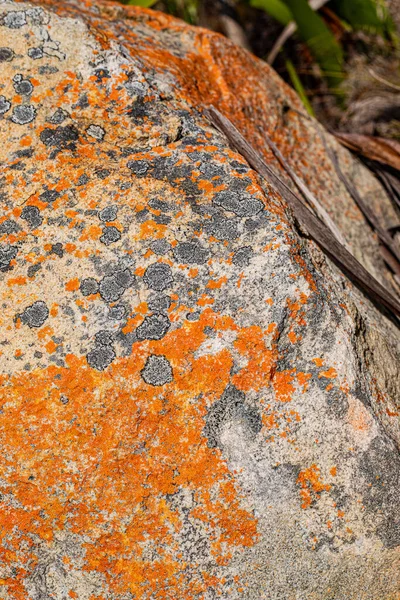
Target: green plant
298,86
322,43
143,3
370,15
276,8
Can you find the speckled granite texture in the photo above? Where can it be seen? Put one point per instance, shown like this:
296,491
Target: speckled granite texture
195,403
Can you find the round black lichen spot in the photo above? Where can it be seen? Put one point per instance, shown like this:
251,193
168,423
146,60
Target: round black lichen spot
157,371
159,304
7,254
110,235
23,114
31,214
35,315
113,286
153,327
160,247
64,399
158,277
242,256
89,286
15,19
138,167
35,53
5,105
6,54
109,213
104,338
23,87
243,205
190,253
57,249
100,358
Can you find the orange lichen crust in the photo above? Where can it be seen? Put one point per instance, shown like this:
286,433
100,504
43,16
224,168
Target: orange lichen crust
111,455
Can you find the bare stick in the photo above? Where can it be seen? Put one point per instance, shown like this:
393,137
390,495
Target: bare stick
319,209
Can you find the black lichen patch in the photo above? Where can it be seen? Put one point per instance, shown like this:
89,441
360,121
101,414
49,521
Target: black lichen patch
138,167
160,247
6,54
58,117
223,228
35,315
49,196
61,137
243,205
153,327
57,249
33,269
242,256
230,407
23,87
112,287
157,371
89,286
108,214
5,105
31,214
159,303
23,114
35,53
15,19
9,226
158,276
191,253
110,235
104,338
380,465
100,358
7,254
117,313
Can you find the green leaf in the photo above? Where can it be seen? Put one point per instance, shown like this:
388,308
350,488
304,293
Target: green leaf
276,8
364,14
143,3
320,40
298,86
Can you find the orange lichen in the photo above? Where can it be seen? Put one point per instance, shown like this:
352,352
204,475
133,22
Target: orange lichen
74,452
330,373
311,485
283,385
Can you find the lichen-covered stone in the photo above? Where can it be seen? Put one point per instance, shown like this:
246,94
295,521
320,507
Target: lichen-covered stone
195,403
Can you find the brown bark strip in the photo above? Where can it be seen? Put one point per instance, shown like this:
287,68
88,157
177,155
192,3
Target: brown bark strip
317,230
369,214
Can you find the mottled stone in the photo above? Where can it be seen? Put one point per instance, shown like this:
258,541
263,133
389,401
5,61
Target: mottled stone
194,401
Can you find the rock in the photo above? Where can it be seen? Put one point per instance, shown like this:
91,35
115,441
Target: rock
195,402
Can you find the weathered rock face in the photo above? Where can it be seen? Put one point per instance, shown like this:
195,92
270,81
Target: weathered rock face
195,403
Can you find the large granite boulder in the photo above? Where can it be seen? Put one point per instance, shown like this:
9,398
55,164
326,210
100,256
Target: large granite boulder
195,402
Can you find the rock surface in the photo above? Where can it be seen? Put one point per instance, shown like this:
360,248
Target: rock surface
195,402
